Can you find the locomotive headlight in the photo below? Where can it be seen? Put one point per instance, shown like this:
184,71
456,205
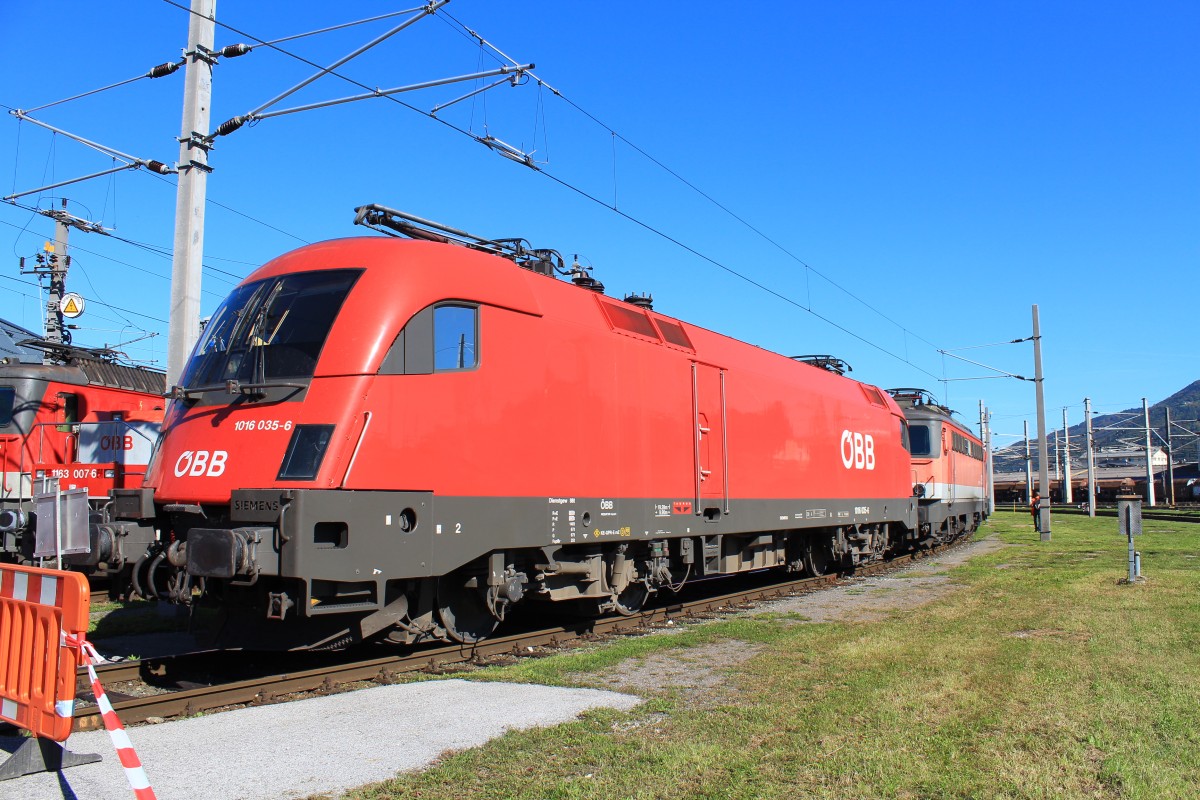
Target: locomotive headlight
305,451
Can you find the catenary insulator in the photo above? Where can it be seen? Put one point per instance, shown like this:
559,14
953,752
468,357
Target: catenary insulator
158,166
163,69
234,50
229,126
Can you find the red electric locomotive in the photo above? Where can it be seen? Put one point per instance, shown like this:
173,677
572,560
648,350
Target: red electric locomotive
85,425
382,438
948,468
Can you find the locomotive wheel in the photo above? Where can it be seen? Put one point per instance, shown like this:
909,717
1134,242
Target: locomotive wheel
817,558
631,599
463,609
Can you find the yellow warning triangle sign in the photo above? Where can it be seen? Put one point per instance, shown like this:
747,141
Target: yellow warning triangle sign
71,307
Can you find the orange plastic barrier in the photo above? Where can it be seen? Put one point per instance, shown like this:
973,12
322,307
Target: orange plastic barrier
37,666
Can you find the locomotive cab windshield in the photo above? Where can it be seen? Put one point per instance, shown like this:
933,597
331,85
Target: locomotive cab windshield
919,437
269,330
8,397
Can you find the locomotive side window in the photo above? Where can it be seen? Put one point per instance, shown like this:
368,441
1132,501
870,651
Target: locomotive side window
70,411
440,338
967,447
270,329
919,439
905,441
455,336
8,397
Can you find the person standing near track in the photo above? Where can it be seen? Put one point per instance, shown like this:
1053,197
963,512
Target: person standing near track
1035,509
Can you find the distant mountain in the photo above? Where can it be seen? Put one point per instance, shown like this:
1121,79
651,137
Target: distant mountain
1107,433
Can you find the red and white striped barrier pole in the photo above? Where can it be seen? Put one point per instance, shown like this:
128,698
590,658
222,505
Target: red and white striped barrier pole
134,772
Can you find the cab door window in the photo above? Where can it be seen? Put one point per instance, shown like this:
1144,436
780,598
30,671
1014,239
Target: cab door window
443,337
70,411
8,399
455,337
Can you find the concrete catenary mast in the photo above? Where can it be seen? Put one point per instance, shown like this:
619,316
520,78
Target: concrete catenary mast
1091,459
1149,458
193,184
1067,498
1043,461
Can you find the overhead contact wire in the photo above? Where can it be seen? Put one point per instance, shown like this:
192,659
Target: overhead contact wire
596,200
732,271
691,185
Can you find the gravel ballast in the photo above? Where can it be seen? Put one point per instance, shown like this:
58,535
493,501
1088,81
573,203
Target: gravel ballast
322,745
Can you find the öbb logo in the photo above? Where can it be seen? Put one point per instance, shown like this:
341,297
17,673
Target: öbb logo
201,462
858,450
116,442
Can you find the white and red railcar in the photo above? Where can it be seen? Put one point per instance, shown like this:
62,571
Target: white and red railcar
948,467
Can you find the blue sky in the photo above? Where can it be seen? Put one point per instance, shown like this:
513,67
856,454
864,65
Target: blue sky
945,165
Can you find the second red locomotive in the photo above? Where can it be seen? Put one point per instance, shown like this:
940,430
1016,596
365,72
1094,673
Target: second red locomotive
380,438
86,425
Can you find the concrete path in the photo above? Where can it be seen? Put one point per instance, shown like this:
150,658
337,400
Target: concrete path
323,745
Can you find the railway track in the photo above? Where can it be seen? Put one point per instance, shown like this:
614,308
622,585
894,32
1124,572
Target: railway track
1163,516
181,686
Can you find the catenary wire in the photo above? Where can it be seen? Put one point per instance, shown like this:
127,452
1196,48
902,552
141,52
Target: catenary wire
693,187
587,195
148,248
343,25
106,305
40,300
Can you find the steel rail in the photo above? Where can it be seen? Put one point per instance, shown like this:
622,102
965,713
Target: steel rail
1147,514
386,669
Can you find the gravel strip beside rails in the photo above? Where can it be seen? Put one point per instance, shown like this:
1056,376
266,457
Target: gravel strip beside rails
873,598
698,674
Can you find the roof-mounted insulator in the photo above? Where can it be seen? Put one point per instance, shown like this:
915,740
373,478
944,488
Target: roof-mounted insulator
580,277
828,363
640,300
588,282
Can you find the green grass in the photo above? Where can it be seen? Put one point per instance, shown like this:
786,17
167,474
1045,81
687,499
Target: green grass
109,619
1038,676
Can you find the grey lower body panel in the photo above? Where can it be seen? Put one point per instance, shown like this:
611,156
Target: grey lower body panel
360,563
937,513
363,535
